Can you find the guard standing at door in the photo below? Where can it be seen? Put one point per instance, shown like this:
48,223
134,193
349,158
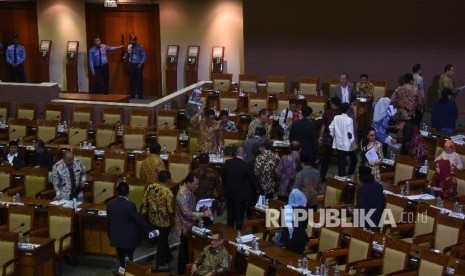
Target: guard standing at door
15,57
136,55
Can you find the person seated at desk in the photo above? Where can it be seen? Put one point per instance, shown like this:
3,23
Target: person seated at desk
13,157
226,125
364,88
210,137
445,114
443,183
194,105
295,238
449,154
43,158
261,121
214,258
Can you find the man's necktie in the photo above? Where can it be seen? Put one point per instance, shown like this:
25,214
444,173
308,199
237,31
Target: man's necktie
15,58
99,56
72,179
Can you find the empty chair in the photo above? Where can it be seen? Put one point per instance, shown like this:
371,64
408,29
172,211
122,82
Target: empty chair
258,266
47,131
228,100
222,82
82,113
77,133
134,138
5,178
8,258
26,111
105,135
139,117
309,85
86,156
379,89
258,101
112,115
168,138
332,83
179,165
35,182
4,110
20,219
103,187
276,84
248,83
404,170
115,162
317,103
53,112
166,119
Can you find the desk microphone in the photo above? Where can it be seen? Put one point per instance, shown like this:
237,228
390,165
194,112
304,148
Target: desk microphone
75,133
16,228
169,125
101,192
113,169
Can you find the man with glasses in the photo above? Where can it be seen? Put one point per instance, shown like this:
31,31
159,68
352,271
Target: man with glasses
214,258
261,121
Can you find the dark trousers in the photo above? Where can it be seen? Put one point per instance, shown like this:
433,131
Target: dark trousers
102,74
325,160
123,253
163,248
236,211
183,254
16,73
135,81
341,162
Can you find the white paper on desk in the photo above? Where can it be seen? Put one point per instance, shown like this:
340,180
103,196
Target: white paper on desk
388,141
372,156
207,202
461,88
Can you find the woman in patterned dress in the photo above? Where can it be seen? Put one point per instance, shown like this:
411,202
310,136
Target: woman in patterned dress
368,143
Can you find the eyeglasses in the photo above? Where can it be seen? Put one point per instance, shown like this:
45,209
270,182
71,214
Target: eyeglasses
215,240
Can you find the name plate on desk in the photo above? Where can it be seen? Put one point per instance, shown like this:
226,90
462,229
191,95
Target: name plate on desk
102,213
389,162
29,246
91,211
281,143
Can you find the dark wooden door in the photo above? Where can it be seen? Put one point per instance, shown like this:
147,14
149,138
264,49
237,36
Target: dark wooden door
113,26
20,18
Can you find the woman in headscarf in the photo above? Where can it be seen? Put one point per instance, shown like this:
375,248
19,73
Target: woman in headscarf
449,154
294,237
381,115
194,105
443,183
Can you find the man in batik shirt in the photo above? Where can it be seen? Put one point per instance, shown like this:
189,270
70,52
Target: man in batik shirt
226,125
209,180
210,138
265,167
186,216
158,204
364,88
214,258
446,81
68,177
151,165
261,121
287,169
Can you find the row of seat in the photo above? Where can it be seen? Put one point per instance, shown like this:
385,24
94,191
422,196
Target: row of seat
308,85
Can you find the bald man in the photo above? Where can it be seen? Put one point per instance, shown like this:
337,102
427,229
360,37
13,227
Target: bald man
68,177
240,186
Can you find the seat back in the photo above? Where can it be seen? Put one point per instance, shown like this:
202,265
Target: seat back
115,163
248,83
329,239
139,117
283,101
447,231
5,177
112,115
166,119
425,219
397,206
133,269
16,130
309,85
257,266
26,111
134,138
276,84
77,133
332,83
395,256
179,165
169,138
60,221
359,245
18,215
317,103
140,157
8,245
233,138
4,110
82,114
103,137
334,192
103,187
136,194
53,112
228,100
405,168
222,82
35,180
46,133
86,156
258,101
379,89
432,263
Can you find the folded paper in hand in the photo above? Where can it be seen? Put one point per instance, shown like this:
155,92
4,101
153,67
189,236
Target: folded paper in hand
372,156
207,202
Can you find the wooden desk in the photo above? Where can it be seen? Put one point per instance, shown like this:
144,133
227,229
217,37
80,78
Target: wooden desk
94,97
38,261
93,232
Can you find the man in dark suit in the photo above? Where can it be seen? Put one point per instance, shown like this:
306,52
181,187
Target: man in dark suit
370,197
240,186
304,131
251,144
345,90
13,157
125,225
43,158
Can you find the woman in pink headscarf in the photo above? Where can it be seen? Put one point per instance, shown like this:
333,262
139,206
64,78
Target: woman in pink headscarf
443,183
450,154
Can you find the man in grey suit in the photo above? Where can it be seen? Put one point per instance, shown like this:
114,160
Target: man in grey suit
345,90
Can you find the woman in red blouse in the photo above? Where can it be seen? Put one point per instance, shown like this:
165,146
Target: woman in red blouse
443,183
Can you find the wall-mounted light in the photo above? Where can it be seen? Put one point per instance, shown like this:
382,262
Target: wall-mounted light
110,3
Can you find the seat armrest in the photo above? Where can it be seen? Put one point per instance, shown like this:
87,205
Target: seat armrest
268,235
15,189
63,238
334,253
49,194
29,138
423,238
4,228
387,175
369,263
14,262
449,248
39,232
400,227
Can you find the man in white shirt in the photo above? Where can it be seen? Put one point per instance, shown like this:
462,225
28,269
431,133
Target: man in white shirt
287,116
342,130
